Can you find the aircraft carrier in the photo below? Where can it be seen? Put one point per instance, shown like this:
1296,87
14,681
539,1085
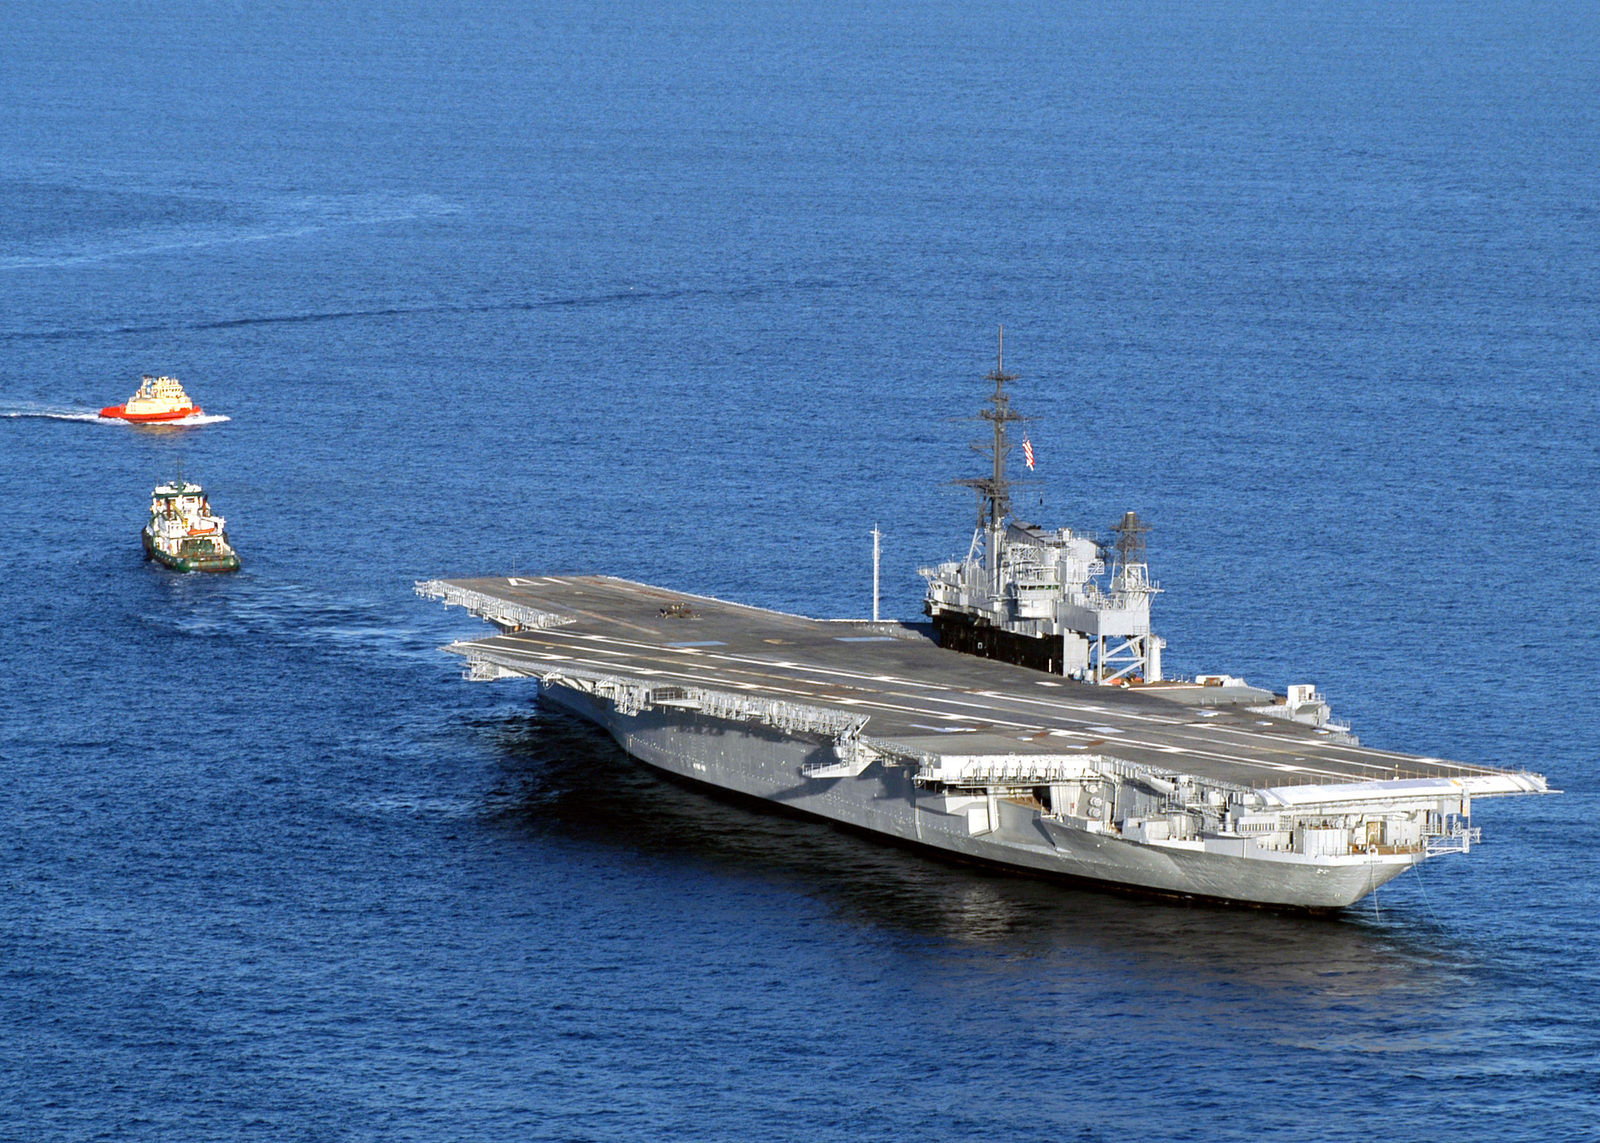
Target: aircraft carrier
1039,736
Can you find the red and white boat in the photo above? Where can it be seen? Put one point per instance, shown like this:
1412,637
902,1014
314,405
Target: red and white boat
158,399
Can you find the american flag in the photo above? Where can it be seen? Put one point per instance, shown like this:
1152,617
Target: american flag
1027,452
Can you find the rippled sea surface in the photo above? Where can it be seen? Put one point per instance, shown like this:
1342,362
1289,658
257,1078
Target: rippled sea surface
688,293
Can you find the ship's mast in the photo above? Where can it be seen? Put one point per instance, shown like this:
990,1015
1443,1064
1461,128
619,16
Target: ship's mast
994,491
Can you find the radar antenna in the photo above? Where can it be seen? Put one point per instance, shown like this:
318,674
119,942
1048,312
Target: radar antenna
1131,532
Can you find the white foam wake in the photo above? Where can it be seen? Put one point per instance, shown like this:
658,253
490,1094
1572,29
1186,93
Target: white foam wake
51,413
56,413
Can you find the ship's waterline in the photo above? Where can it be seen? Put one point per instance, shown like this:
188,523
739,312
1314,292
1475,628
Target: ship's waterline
993,829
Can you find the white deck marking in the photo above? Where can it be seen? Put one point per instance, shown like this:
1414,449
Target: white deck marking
1155,747
1183,731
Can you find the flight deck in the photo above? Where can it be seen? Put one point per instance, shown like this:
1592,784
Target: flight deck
910,691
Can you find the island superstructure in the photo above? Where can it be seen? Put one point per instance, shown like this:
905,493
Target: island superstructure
1032,595
1013,756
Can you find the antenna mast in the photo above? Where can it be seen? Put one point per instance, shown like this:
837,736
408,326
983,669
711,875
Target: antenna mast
1131,532
876,537
994,491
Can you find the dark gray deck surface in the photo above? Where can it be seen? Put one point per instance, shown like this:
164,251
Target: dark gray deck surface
918,694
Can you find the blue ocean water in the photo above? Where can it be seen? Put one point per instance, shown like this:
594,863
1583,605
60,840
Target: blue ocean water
688,293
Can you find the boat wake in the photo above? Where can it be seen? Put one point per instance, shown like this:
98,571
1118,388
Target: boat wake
336,624
198,222
60,413
50,413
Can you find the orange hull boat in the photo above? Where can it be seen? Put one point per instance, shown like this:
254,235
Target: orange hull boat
120,412
158,399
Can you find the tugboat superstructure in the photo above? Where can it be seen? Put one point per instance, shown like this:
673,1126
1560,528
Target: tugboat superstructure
158,399
184,534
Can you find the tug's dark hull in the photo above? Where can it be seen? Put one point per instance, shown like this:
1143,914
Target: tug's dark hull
184,561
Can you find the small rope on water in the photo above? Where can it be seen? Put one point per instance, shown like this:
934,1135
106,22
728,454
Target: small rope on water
1426,900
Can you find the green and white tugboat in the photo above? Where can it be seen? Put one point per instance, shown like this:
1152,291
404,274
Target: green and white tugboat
184,534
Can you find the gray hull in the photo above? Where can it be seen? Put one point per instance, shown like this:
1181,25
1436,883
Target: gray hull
760,762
